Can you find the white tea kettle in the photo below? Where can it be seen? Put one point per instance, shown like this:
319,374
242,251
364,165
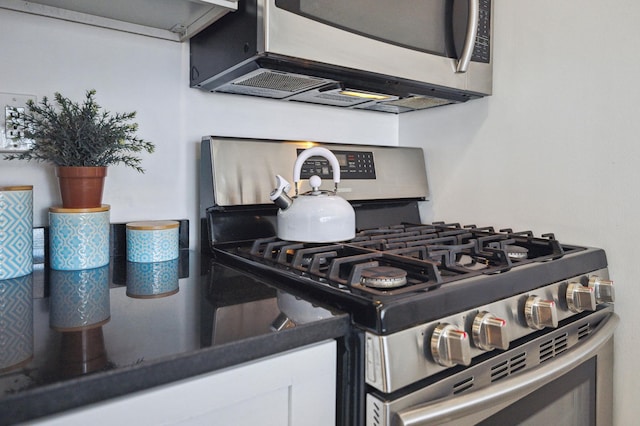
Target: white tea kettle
316,216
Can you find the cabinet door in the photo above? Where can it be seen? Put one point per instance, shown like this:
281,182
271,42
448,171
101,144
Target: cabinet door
295,388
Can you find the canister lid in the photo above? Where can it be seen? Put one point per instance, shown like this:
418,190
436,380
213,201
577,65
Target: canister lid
152,225
17,188
103,208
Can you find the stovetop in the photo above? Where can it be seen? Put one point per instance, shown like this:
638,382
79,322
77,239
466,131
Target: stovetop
393,277
397,272
430,255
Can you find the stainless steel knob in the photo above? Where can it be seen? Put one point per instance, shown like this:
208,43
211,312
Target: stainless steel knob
490,332
450,345
603,289
581,298
540,313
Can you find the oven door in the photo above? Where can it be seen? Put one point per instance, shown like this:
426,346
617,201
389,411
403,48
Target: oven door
573,388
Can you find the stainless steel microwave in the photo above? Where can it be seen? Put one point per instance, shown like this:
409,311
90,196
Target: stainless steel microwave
381,55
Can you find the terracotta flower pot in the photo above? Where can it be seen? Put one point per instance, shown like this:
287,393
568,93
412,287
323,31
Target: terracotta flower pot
81,187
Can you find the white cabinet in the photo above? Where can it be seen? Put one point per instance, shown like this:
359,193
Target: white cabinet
295,388
176,20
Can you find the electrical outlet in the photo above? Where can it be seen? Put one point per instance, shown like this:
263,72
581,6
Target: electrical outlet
14,128
12,137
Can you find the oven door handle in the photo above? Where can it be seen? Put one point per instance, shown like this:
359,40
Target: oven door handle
476,406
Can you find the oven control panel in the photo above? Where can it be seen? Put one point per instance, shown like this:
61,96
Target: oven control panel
353,165
457,339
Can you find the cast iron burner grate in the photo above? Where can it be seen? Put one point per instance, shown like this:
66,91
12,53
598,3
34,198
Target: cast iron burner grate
449,243
342,265
429,254
448,268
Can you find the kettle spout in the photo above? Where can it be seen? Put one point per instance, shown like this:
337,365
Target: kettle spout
279,194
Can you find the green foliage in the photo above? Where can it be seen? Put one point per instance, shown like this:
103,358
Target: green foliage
74,134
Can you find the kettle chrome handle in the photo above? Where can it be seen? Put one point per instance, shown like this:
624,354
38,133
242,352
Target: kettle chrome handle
319,151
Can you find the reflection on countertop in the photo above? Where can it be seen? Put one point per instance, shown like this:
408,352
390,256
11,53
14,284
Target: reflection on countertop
108,331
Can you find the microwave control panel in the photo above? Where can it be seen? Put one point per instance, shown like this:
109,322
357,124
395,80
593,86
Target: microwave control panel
481,51
353,165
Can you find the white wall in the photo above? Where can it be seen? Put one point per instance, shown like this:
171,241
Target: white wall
41,56
555,149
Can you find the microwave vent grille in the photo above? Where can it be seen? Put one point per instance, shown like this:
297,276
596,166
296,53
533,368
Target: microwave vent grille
339,98
292,83
419,102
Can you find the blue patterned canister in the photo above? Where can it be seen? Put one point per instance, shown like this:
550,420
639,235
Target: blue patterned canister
152,279
79,238
79,299
16,231
16,322
152,241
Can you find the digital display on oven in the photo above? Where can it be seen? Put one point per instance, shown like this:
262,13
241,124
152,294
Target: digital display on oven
353,165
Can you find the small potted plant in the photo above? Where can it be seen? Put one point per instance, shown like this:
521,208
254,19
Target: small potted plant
81,140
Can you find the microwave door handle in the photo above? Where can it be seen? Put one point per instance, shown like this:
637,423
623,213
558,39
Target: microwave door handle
483,403
470,40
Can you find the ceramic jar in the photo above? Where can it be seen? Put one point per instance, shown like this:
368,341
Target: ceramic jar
79,238
152,241
16,231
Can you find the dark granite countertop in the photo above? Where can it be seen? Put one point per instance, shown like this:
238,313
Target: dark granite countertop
64,346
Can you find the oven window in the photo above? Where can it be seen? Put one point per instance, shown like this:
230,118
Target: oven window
570,400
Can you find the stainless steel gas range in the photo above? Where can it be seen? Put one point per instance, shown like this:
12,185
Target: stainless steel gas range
452,324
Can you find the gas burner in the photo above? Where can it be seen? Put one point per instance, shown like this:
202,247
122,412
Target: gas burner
516,252
471,263
306,261
383,277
